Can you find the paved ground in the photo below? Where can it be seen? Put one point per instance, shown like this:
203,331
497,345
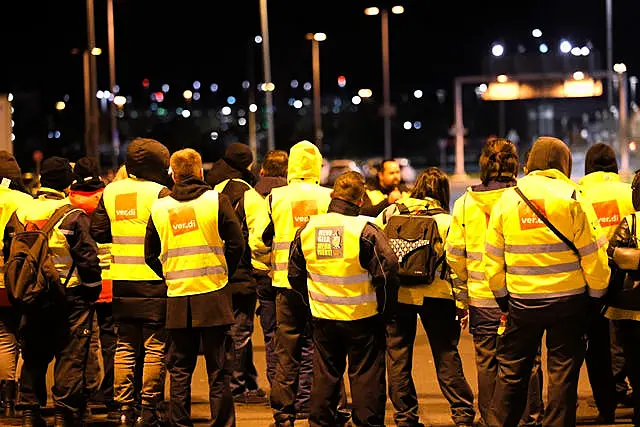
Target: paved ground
434,410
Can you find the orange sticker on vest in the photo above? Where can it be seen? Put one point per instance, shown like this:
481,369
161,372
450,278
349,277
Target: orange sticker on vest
608,213
329,242
302,210
528,219
126,206
183,220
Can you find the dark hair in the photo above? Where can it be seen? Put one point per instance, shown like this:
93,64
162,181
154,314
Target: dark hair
275,163
433,183
349,187
600,158
498,161
384,162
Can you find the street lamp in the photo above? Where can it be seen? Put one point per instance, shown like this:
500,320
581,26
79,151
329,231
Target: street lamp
621,69
386,84
315,58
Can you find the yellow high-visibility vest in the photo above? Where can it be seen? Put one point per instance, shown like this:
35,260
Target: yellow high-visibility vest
525,259
339,288
291,207
38,211
128,204
465,245
10,200
254,208
192,253
610,198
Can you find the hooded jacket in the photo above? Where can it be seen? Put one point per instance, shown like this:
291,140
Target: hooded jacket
86,194
303,177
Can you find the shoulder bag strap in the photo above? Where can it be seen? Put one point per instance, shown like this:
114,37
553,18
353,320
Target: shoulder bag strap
403,209
548,223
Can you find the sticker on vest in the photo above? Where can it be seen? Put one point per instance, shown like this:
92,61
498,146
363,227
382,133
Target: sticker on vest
608,213
126,206
528,219
302,210
329,242
183,220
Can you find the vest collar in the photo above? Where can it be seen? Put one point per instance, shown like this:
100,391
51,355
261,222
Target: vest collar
343,207
50,193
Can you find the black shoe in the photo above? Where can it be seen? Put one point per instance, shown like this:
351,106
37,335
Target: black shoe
33,418
68,419
8,399
127,417
287,423
608,418
148,418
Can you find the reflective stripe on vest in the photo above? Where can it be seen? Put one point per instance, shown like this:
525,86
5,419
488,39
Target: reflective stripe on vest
291,208
192,253
339,288
128,204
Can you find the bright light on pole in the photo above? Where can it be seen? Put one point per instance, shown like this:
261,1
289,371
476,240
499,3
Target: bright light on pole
253,108
497,50
60,105
536,33
120,100
371,11
578,75
417,93
620,68
365,93
319,37
565,46
397,10
543,48
96,51
356,100
187,94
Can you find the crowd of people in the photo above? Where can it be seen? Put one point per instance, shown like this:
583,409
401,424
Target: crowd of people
164,264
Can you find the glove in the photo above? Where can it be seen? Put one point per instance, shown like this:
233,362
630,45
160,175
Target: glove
503,303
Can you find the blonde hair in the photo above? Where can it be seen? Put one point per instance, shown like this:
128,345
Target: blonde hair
185,163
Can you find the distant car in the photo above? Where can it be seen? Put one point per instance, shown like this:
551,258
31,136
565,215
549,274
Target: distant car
338,167
407,173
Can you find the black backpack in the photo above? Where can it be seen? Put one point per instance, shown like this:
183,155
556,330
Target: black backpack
31,279
416,241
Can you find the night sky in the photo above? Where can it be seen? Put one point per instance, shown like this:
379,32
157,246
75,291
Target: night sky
178,42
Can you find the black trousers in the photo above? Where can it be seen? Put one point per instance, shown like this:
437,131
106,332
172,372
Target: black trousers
362,342
108,341
618,363
217,346
294,351
565,324
245,376
438,318
599,364
630,337
63,334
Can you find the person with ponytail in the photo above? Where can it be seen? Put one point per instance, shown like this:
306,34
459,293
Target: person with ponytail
465,248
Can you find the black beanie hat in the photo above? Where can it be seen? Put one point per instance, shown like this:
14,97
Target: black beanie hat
86,167
238,155
56,173
600,158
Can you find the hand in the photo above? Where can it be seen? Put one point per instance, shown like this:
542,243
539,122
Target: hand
395,195
462,316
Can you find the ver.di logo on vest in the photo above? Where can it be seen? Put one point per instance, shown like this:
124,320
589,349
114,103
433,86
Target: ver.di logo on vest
126,206
183,220
607,212
302,210
528,219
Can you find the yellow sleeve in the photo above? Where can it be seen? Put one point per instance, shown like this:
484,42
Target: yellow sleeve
494,264
457,253
258,212
591,242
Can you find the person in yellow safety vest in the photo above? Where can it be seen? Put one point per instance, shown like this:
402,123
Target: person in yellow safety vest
623,299
387,189
344,267
436,306
611,200
465,246
543,278
139,295
63,333
194,240
273,174
289,208
12,195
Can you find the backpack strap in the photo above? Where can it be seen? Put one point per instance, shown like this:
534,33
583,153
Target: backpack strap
403,209
58,214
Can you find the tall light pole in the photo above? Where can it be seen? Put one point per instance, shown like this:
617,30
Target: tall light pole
92,149
115,137
317,105
621,69
610,52
264,22
386,83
